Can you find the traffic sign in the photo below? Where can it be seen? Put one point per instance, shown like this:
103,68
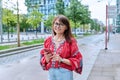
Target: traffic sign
112,11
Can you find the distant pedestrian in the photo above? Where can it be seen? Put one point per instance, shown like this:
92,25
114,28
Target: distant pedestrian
61,55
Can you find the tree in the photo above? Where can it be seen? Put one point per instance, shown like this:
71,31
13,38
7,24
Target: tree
60,7
92,24
9,19
78,13
74,12
23,23
85,17
95,26
48,22
34,19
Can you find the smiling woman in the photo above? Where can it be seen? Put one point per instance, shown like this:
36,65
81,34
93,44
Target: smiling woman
64,55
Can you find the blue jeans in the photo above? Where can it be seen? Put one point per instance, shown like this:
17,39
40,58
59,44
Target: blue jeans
60,74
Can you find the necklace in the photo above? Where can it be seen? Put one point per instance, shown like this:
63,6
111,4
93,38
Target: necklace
59,39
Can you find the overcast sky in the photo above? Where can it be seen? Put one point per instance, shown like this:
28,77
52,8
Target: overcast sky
98,8
22,7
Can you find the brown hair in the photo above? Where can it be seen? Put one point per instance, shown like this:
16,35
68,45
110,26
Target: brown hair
68,34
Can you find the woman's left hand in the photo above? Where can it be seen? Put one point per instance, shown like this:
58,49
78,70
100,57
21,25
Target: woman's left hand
56,57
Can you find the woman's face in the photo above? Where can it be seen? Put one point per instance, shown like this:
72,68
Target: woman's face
59,27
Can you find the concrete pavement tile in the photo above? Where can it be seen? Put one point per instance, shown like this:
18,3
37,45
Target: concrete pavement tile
117,73
100,78
97,69
108,69
96,73
108,73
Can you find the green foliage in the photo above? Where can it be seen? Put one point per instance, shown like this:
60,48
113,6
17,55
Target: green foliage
12,30
95,26
72,24
78,13
35,18
73,11
9,18
60,7
86,15
33,42
86,34
48,22
7,47
92,24
23,24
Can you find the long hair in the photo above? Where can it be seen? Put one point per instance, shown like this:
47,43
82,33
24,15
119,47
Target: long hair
67,33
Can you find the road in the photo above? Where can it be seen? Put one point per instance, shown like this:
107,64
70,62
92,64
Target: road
26,66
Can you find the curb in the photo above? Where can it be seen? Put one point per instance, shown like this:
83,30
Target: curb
19,49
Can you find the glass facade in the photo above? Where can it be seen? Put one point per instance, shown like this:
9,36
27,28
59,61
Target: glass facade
118,16
118,12
46,7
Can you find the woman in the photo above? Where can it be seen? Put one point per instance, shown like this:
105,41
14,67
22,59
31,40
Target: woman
60,55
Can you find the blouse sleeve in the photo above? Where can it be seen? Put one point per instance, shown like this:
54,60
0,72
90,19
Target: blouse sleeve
76,57
43,62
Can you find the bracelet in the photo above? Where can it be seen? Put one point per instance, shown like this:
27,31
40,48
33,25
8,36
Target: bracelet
61,60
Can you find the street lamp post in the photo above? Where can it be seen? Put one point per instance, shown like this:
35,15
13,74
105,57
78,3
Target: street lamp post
107,33
106,29
108,20
1,21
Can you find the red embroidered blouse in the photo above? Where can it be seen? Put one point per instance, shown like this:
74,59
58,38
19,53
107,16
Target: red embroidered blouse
66,50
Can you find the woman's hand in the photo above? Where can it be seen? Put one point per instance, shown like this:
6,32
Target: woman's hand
47,56
56,57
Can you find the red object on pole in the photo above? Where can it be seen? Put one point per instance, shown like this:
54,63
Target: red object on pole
106,29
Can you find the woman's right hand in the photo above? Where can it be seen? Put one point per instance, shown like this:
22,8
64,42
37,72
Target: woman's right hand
47,56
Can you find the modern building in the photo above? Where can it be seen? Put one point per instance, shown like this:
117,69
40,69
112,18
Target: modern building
118,16
46,7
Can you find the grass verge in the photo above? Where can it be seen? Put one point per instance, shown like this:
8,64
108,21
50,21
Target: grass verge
26,43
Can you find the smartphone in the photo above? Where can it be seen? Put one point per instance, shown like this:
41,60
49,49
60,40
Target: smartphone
47,50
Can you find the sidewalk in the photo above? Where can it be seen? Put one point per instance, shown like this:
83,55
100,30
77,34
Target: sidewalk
29,68
107,64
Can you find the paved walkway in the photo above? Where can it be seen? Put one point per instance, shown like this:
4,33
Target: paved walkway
29,68
107,65
103,65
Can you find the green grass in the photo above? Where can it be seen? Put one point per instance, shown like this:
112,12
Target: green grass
86,34
33,42
39,41
7,47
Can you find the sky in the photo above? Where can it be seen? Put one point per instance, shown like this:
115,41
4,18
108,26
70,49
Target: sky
22,7
97,7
